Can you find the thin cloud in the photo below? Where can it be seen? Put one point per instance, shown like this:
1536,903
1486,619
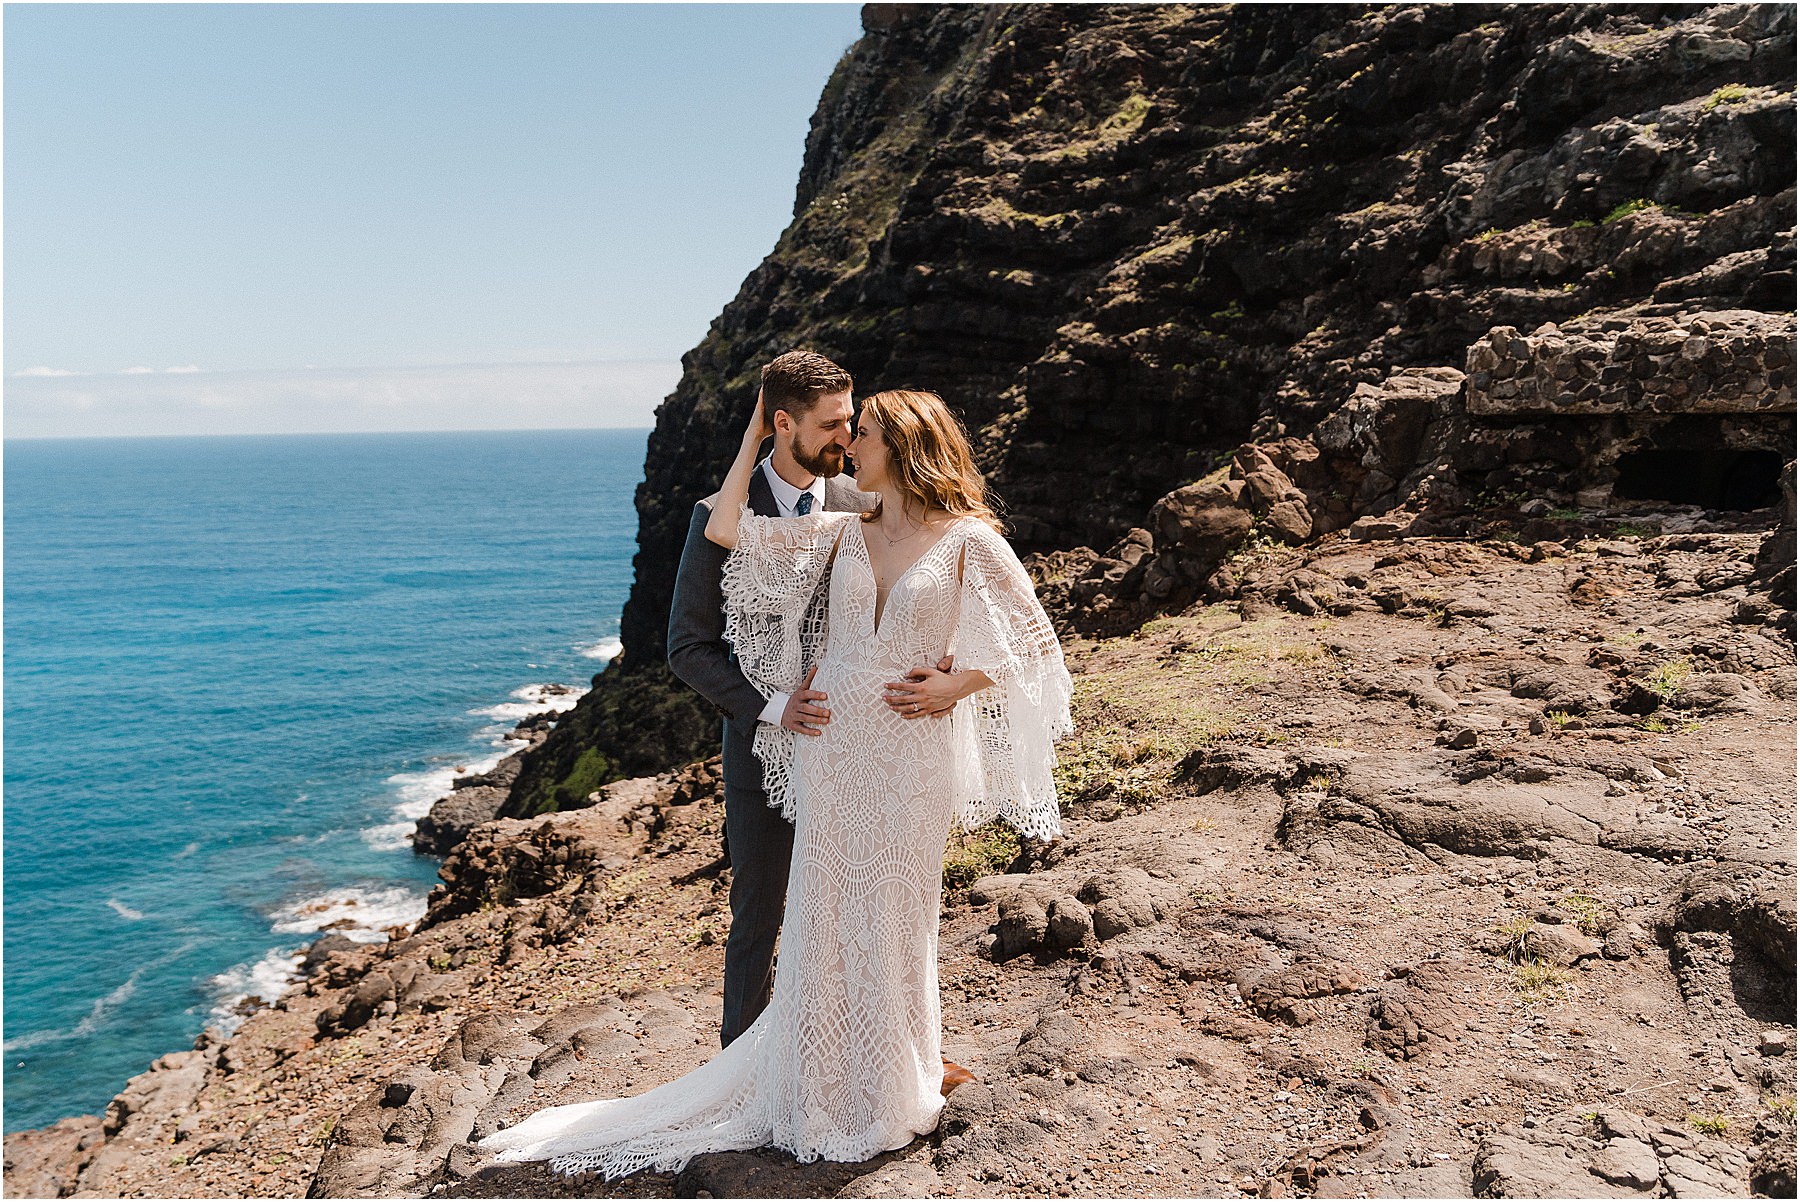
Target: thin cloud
31,372
138,371
502,396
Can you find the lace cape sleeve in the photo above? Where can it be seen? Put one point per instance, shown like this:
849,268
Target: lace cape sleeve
1005,735
775,613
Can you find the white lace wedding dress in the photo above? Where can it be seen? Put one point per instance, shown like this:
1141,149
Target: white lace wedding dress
844,1063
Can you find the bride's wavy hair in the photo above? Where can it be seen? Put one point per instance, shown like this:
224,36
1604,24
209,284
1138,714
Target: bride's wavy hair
928,455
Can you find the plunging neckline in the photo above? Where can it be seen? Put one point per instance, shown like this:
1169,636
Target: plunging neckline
880,608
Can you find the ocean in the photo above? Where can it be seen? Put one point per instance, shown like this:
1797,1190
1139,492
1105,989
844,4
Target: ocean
236,669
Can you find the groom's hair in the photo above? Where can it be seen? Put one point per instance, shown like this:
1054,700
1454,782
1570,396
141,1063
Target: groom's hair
796,380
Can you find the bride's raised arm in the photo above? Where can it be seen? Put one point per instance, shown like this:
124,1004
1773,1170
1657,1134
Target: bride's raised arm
773,588
734,494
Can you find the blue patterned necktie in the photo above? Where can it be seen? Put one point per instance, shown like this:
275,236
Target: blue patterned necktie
804,505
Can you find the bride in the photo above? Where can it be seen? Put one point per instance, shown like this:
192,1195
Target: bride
844,1063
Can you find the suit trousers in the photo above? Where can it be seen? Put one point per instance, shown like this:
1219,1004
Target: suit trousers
760,844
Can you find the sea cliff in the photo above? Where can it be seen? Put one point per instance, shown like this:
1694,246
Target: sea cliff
1121,240
1398,407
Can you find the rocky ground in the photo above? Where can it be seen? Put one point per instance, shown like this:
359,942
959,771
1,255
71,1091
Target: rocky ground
1424,867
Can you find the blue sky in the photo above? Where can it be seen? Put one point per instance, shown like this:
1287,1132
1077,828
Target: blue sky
210,206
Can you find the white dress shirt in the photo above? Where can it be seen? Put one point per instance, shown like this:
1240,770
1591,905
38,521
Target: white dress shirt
787,499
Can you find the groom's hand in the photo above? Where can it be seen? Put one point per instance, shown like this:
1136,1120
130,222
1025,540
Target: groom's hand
806,713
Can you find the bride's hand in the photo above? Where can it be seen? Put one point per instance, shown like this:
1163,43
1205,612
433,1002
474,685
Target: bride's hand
722,525
932,692
760,426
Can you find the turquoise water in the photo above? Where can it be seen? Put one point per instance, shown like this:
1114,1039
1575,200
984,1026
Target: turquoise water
235,669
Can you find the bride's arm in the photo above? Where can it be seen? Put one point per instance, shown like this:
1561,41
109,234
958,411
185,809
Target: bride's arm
722,526
933,692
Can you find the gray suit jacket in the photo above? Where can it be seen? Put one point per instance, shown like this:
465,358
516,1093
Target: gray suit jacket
698,652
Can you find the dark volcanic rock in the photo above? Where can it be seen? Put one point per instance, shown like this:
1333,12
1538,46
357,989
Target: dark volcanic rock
322,949
482,796
1123,239
454,815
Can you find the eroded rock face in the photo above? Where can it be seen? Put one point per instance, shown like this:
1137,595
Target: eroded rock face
48,1163
529,857
1124,240
1382,429
1054,914
480,797
1418,1013
1435,440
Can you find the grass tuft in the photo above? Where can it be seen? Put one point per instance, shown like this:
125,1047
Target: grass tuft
1709,1124
1513,931
1627,209
982,852
1668,676
1590,914
1534,979
1731,93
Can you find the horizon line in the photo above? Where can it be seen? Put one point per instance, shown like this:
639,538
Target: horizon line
316,433
38,372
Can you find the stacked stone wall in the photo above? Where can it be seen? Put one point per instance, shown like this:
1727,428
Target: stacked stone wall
1734,361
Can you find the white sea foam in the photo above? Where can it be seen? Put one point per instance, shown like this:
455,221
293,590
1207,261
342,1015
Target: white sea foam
605,649
266,979
364,913
533,699
417,791
499,734
124,911
391,836
185,852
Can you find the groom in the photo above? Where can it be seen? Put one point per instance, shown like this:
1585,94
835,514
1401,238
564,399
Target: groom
808,399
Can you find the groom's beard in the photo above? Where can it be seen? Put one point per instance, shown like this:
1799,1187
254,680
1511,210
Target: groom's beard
826,461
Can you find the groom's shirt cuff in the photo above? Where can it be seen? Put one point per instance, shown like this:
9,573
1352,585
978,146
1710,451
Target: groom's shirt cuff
771,713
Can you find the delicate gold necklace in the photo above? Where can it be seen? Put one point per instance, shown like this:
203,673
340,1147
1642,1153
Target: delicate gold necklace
893,541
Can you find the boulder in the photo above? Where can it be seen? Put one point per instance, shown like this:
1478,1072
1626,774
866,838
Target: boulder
1716,692
1414,1014
1071,926
1558,944
1022,927
48,1162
